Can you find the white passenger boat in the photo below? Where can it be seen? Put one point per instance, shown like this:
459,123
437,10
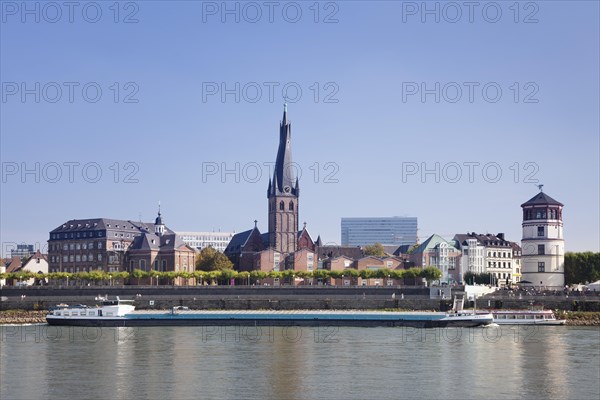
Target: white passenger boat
526,317
122,313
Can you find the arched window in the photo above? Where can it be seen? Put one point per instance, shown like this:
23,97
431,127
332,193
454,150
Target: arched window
281,206
164,265
291,206
143,265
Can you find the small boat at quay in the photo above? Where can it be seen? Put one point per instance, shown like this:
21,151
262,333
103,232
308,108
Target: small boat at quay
526,317
119,312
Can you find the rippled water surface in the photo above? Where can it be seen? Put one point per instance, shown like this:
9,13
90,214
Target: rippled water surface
299,363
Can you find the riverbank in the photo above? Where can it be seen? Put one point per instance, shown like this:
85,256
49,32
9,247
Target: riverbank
17,317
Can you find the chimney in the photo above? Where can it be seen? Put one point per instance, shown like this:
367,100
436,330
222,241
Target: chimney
500,236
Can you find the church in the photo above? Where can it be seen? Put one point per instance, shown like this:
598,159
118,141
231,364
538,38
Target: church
284,246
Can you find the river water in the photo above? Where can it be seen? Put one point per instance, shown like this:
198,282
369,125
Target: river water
43,362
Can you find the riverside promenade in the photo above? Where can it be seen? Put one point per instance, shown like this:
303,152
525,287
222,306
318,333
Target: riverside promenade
287,298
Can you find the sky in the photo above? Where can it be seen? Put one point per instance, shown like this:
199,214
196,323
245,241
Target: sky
447,112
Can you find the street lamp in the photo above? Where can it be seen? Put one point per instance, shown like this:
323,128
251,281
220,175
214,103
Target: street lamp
109,280
342,279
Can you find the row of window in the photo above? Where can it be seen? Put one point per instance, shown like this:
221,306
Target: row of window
499,265
76,246
76,258
541,213
77,269
282,206
76,235
499,254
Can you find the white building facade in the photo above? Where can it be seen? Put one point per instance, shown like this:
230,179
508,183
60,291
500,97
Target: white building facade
201,240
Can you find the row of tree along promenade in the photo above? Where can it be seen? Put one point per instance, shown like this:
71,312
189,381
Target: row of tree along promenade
217,277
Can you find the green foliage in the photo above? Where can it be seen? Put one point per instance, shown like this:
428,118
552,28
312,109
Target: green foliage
367,273
210,259
412,272
431,274
376,250
322,274
258,275
481,279
582,267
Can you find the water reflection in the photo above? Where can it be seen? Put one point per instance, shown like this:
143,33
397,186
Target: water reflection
352,363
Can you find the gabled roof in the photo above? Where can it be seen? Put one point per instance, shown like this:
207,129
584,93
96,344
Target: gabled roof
432,242
152,241
238,240
14,265
541,199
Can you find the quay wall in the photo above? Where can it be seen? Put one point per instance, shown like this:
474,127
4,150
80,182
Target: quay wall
256,298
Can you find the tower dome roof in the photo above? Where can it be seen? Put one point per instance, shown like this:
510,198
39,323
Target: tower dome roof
541,199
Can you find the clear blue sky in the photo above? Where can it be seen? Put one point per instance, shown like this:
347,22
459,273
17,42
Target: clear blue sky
372,57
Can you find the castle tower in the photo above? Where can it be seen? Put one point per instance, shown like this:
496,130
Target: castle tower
283,193
543,256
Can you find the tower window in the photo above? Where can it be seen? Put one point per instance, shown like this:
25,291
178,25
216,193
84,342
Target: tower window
281,206
291,206
540,231
541,266
541,249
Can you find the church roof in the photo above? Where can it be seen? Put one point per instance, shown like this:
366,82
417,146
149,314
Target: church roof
541,199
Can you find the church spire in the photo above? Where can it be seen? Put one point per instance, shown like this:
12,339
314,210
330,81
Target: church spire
284,179
159,226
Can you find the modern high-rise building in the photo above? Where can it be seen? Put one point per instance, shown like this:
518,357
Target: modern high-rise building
389,231
22,250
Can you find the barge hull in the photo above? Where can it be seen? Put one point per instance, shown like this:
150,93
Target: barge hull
149,322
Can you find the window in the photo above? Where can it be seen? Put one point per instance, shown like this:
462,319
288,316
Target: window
99,257
78,258
291,206
142,264
71,258
541,266
65,246
541,249
281,206
131,264
78,246
164,265
99,245
84,246
540,230
72,246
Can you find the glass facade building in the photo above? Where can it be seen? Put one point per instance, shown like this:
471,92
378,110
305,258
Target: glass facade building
389,231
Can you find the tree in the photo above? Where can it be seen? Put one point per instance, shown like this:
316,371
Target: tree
367,273
582,267
376,250
210,259
431,274
138,274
